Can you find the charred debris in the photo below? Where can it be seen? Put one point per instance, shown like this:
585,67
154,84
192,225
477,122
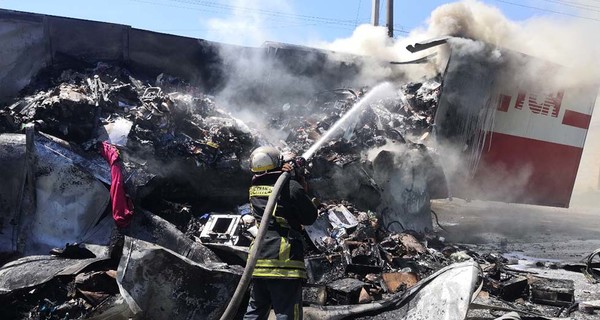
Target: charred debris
184,223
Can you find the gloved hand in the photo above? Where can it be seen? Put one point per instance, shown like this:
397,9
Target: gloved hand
287,167
316,202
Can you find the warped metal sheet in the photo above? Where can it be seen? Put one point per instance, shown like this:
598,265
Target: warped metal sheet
158,283
96,166
152,228
339,216
445,295
319,231
12,171
405,201
69,203
35,270
23,50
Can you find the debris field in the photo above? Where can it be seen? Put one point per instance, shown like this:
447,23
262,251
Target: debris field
126,197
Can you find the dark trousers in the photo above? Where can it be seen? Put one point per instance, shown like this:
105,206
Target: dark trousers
284,295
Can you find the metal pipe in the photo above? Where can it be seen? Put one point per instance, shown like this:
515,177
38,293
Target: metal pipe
390,18
252,256
375,13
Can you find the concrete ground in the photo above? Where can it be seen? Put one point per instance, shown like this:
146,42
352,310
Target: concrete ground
528,234
534,231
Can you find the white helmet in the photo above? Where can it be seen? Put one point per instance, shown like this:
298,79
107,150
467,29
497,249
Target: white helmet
264,159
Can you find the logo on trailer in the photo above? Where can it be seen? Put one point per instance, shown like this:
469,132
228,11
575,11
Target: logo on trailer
548,106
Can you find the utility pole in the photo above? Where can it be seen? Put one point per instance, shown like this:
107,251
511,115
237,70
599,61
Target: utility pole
390,18
375,13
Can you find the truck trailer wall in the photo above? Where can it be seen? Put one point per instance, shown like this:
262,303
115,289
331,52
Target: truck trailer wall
24,50
31,42
520,124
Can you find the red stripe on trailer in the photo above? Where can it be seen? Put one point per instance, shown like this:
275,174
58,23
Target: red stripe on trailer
577,119
523,170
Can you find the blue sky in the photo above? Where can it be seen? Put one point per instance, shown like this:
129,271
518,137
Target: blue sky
293,21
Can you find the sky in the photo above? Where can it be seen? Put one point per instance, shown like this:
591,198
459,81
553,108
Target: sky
302,22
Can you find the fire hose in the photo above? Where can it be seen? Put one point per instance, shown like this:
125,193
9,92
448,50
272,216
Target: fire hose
252,256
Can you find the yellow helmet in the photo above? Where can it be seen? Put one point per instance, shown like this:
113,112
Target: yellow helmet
264,159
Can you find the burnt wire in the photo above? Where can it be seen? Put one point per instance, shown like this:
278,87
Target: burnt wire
589,271
387,227
568,310
437,221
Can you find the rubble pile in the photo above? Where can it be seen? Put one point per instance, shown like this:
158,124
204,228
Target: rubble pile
136,115
183,166
349,244
385,139
408,114
168,132
351,260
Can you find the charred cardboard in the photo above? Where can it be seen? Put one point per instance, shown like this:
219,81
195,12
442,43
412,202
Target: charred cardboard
344,291
314,295
362,258
322,269
395,280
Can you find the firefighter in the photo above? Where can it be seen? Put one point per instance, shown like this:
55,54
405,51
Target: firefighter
279,273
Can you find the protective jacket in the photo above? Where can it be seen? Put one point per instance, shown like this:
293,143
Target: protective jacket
282,252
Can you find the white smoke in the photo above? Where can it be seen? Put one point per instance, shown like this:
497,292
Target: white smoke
566,41
563,40
246,25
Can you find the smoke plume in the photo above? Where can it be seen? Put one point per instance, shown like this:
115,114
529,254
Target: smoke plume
245,26
564,41
560,40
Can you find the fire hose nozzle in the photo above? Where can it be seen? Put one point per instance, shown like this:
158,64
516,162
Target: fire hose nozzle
299,162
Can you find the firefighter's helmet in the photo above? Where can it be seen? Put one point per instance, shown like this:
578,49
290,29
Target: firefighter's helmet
264,159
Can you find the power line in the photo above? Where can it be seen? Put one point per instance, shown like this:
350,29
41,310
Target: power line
284,14
357,12
265,12
224,10
179,6
274,24
547,10
574,5
273,15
